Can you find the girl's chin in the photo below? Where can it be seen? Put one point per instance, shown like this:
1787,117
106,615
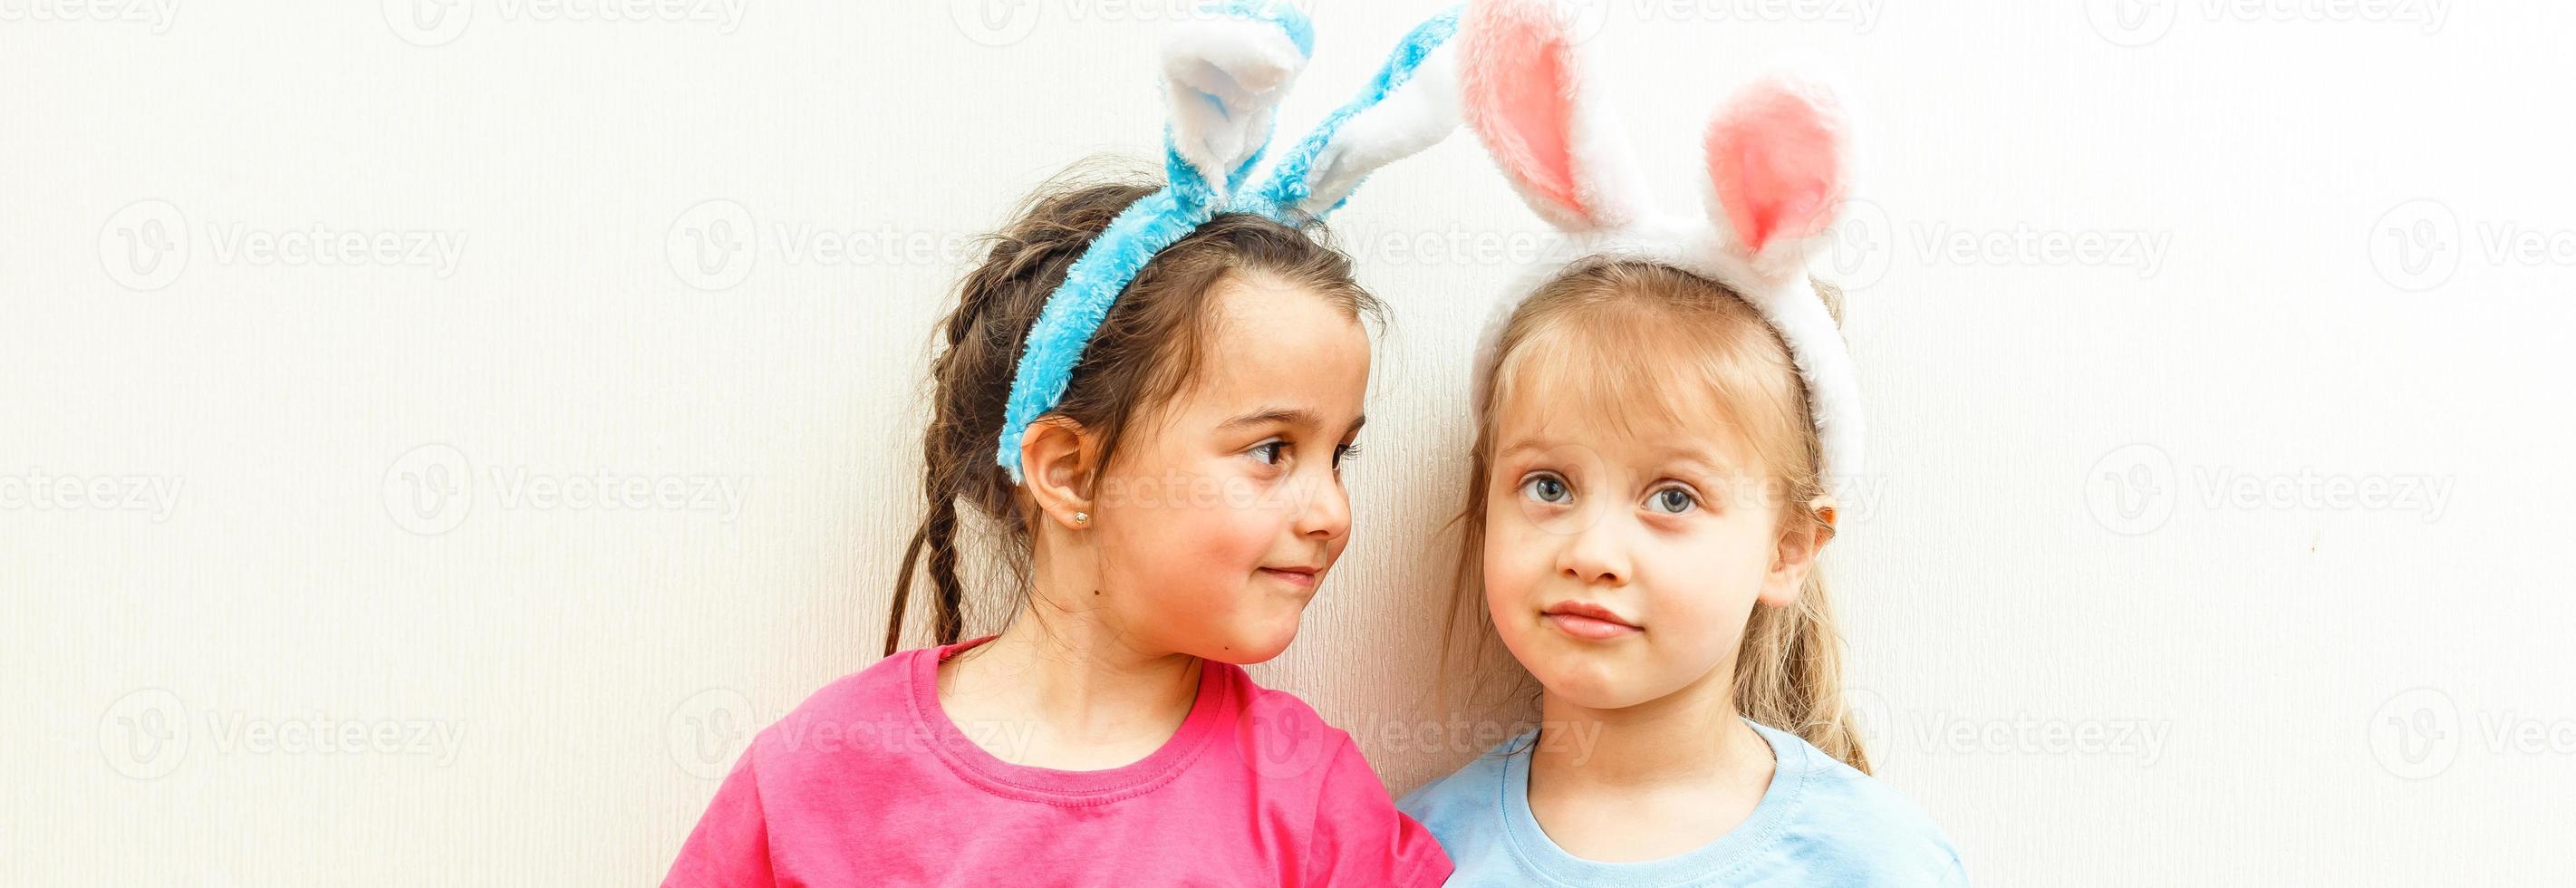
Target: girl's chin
1589,692
1256,644
1587,679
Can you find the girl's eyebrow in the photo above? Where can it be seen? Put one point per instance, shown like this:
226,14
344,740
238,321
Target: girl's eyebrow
1705,461
1286,415
1692,457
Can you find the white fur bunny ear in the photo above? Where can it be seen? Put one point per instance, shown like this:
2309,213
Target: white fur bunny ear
1523,86
1778,170
1227,68
1411,105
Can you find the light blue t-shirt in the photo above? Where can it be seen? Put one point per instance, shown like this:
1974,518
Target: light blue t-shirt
1819,823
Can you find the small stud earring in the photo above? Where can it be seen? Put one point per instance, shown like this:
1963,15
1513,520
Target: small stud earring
1081,517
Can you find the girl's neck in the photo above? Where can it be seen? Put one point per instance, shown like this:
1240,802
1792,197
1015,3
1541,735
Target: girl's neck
1060,689
1649,781
1690,736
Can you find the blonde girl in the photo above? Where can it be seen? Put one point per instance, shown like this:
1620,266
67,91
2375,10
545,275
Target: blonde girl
1660,427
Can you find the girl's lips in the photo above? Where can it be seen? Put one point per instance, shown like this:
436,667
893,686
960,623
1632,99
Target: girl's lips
1589,628
1589,622
1303,578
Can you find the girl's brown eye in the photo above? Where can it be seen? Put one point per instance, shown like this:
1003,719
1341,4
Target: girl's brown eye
1269,452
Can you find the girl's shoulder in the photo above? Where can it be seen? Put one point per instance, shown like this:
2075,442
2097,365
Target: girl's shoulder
1859,822
1455,800
1278,736
850,718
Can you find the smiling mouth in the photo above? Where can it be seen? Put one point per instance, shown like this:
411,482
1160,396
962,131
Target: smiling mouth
1302,578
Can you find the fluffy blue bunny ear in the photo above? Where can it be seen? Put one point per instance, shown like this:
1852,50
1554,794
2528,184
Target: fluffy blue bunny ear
1411,105
1227,69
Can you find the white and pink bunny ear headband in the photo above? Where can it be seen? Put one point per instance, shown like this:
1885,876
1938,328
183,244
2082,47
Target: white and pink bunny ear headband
1774,178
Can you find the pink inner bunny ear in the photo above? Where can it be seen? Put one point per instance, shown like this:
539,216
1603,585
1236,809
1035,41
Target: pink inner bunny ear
1775,158
1518,90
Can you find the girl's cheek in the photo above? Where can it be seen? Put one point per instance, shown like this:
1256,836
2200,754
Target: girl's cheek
1233,535
1514,561
1720,575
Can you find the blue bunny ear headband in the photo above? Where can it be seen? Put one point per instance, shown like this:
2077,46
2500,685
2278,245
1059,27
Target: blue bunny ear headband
1226,72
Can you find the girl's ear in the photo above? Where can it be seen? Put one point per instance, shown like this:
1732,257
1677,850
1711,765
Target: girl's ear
1777,171
1523,89
1060,457
1226,74
1795,558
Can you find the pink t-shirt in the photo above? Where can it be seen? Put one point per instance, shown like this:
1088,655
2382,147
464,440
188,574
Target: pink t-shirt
870,783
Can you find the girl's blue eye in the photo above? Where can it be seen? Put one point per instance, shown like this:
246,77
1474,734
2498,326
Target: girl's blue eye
1673,501
1547,489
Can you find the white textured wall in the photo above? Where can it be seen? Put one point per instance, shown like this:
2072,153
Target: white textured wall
2340,688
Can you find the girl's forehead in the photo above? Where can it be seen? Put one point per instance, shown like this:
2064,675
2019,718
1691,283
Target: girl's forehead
1643,417
1277,345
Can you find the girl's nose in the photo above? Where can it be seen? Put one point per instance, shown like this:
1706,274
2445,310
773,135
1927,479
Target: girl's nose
1595,554
1323,509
